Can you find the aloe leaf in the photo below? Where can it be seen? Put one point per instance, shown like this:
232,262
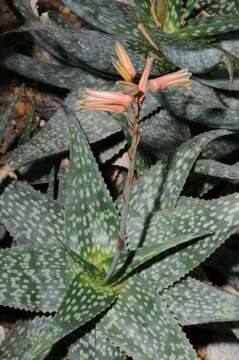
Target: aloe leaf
91,218
199,58
143,7
208,111
217,169
198,216
56,75
134,259
141,311
23,11
34,278
219,80
161,133
29,216
21,339
221,147
82,302
230,43
172,20
181,164
208,26
95,346
212,216
53,137
6,116
146,190
105,15
176,265
220,7
195,302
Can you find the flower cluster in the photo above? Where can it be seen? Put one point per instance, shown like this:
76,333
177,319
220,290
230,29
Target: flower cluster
118,102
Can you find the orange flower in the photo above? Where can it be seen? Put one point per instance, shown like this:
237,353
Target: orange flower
105,101
178,78
145,76
124,65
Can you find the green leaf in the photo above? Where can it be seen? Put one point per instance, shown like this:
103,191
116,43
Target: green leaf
172,21
217,169
162,133
95,346
34,278
177,264
221,147
141,325
212,216
54,138
181,164
208,26
82,302
143,6
195,302
56,75
220,7
112,17
145,191
22,338
220,216
6,116
220,80
92,221
29,216
198,58
134,259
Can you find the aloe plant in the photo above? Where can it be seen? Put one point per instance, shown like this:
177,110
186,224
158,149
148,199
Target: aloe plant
65,247
60,264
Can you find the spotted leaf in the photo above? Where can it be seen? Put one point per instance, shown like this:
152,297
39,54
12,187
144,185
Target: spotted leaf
29,216
217,169
105,15
94,346
177,264
172,21
142,256
220,7
201,105
82,302
91,218
181,164
54,138
21,339
198,216
56,75
195,302
146,190
208,26
150,327
34,278
198,58
220,80
143,7
6,116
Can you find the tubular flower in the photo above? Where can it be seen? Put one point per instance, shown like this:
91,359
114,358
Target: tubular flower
105,101
124,65
145,76
178,78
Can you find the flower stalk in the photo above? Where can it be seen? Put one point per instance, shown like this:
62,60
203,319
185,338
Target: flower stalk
133,128
133,96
